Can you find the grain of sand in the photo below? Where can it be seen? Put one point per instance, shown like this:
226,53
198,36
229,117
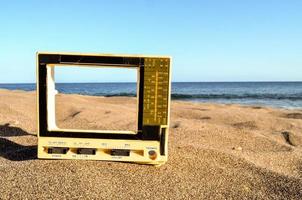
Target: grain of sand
215,152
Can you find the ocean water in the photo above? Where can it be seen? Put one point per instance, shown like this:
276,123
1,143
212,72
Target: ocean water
273,94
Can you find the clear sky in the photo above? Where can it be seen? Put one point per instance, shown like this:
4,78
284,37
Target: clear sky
214,40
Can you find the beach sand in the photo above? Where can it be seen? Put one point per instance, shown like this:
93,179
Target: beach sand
215,152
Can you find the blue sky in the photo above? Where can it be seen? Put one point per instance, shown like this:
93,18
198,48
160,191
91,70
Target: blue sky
226,40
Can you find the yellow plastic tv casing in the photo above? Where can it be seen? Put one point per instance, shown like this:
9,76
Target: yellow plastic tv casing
147,145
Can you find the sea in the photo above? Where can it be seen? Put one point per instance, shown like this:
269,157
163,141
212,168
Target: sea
273,94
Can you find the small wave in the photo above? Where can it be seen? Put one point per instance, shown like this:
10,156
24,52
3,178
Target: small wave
121,94
292,97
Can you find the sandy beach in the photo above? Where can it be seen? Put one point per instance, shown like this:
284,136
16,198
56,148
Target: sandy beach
216,151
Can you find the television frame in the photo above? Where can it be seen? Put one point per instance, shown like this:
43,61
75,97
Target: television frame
147,145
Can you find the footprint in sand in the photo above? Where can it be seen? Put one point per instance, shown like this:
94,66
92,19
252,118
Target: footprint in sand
287,136
176,125
252,125
293,115
72,115
292,139
205,118
256,107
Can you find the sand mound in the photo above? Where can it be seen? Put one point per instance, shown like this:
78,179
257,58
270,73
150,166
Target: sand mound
215,152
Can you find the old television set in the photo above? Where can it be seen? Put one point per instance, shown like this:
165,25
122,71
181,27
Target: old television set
147,145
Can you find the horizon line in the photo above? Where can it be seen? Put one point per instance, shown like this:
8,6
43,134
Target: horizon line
171,82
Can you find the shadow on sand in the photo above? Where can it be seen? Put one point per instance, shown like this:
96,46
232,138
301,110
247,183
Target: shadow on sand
14,151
